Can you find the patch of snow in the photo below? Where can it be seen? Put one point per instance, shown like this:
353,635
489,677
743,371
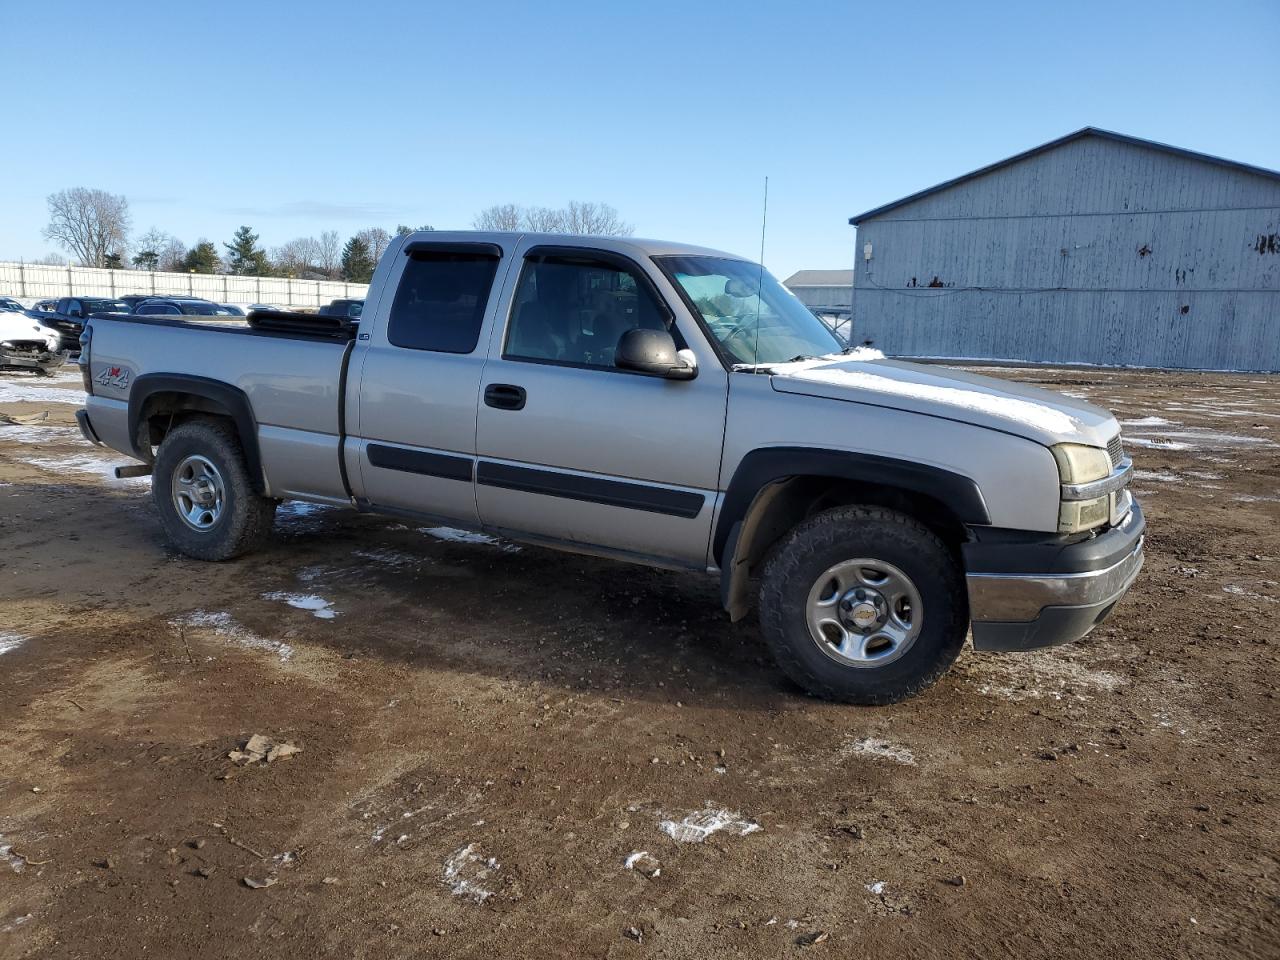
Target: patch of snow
301,515
17,922
226,628
318,606
883,749
465,871
1034,414
37,435
16,861
35,391
454,535
1157,476
388,557
1238,591
1032,676
1155,444
11,641
697,826
1252,498
1148,422
88,464
876,887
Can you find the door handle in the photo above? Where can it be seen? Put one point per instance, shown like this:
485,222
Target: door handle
505,396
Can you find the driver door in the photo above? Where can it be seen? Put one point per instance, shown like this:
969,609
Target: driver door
578,451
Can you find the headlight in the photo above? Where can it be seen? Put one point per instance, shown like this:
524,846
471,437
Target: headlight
1077,464
1080,464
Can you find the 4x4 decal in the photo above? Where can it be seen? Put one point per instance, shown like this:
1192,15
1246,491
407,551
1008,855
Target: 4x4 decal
114,377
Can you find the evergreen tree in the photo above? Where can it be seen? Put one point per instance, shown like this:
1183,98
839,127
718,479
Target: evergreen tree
357,261
113,261
202,258
245,257
147,260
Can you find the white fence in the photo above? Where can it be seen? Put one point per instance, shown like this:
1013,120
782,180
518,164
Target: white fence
35,281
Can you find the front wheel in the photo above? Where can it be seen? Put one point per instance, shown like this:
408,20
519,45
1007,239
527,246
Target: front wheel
204,494
864,605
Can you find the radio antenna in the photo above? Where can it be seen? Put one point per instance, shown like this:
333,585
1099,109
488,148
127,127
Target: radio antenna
764,222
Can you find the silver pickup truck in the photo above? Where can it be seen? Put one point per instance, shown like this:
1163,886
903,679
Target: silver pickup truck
652,402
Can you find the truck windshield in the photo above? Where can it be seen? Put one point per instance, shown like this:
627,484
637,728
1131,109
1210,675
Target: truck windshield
755,318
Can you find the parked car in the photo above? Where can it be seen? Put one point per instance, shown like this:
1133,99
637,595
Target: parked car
8,303
653,402
180,307
133,299
45,306
68,314
26,345
342,308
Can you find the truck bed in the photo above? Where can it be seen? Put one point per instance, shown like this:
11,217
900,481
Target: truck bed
288,369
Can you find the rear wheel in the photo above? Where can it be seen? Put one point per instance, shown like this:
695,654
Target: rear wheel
203,492
864,605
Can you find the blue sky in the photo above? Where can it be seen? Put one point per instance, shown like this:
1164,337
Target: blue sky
300,117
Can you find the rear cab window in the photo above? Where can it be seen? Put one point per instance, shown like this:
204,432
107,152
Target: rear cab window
441,299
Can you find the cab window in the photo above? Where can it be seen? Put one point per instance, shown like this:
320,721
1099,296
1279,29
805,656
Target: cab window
574,310
441,300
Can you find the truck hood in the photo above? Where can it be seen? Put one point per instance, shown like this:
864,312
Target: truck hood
1039,415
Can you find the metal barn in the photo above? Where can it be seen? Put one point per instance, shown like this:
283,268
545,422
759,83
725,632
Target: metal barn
823,291
1095,248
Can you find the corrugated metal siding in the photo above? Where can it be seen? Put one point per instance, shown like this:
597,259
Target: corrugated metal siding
1096,252
823,296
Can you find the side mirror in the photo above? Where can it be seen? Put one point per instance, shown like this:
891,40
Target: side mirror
652,352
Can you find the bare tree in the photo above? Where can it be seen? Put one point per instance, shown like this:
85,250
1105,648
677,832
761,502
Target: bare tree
504,216
328,252
377,240
90,223
542,220
598,219
295,257
168,249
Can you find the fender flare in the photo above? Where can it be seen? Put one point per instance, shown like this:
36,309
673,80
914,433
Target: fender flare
764,467
232,399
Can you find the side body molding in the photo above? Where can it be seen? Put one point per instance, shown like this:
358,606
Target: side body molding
219,395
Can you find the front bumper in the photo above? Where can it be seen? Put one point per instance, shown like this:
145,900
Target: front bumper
1039,593
27,356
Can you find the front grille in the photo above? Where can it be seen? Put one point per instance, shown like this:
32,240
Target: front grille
32,349
1115,449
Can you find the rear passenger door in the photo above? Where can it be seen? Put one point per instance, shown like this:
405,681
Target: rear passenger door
575,450
414,423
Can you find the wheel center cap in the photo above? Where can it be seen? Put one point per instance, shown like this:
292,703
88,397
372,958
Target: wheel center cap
863,609
203,491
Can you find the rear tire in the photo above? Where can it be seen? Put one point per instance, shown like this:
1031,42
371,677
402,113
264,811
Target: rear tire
863,605
204,494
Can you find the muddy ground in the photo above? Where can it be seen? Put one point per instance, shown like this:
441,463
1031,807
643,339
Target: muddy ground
491,733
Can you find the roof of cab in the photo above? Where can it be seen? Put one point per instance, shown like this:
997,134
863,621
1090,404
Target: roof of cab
634,246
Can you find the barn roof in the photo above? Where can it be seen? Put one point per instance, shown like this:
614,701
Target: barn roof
1053,145
820,278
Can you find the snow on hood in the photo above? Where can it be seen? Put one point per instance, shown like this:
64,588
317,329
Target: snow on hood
19,326
1039,415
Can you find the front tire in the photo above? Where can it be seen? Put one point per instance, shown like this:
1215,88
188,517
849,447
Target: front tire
203,492
863,605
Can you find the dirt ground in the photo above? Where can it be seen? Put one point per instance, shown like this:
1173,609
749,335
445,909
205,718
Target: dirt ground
491,733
